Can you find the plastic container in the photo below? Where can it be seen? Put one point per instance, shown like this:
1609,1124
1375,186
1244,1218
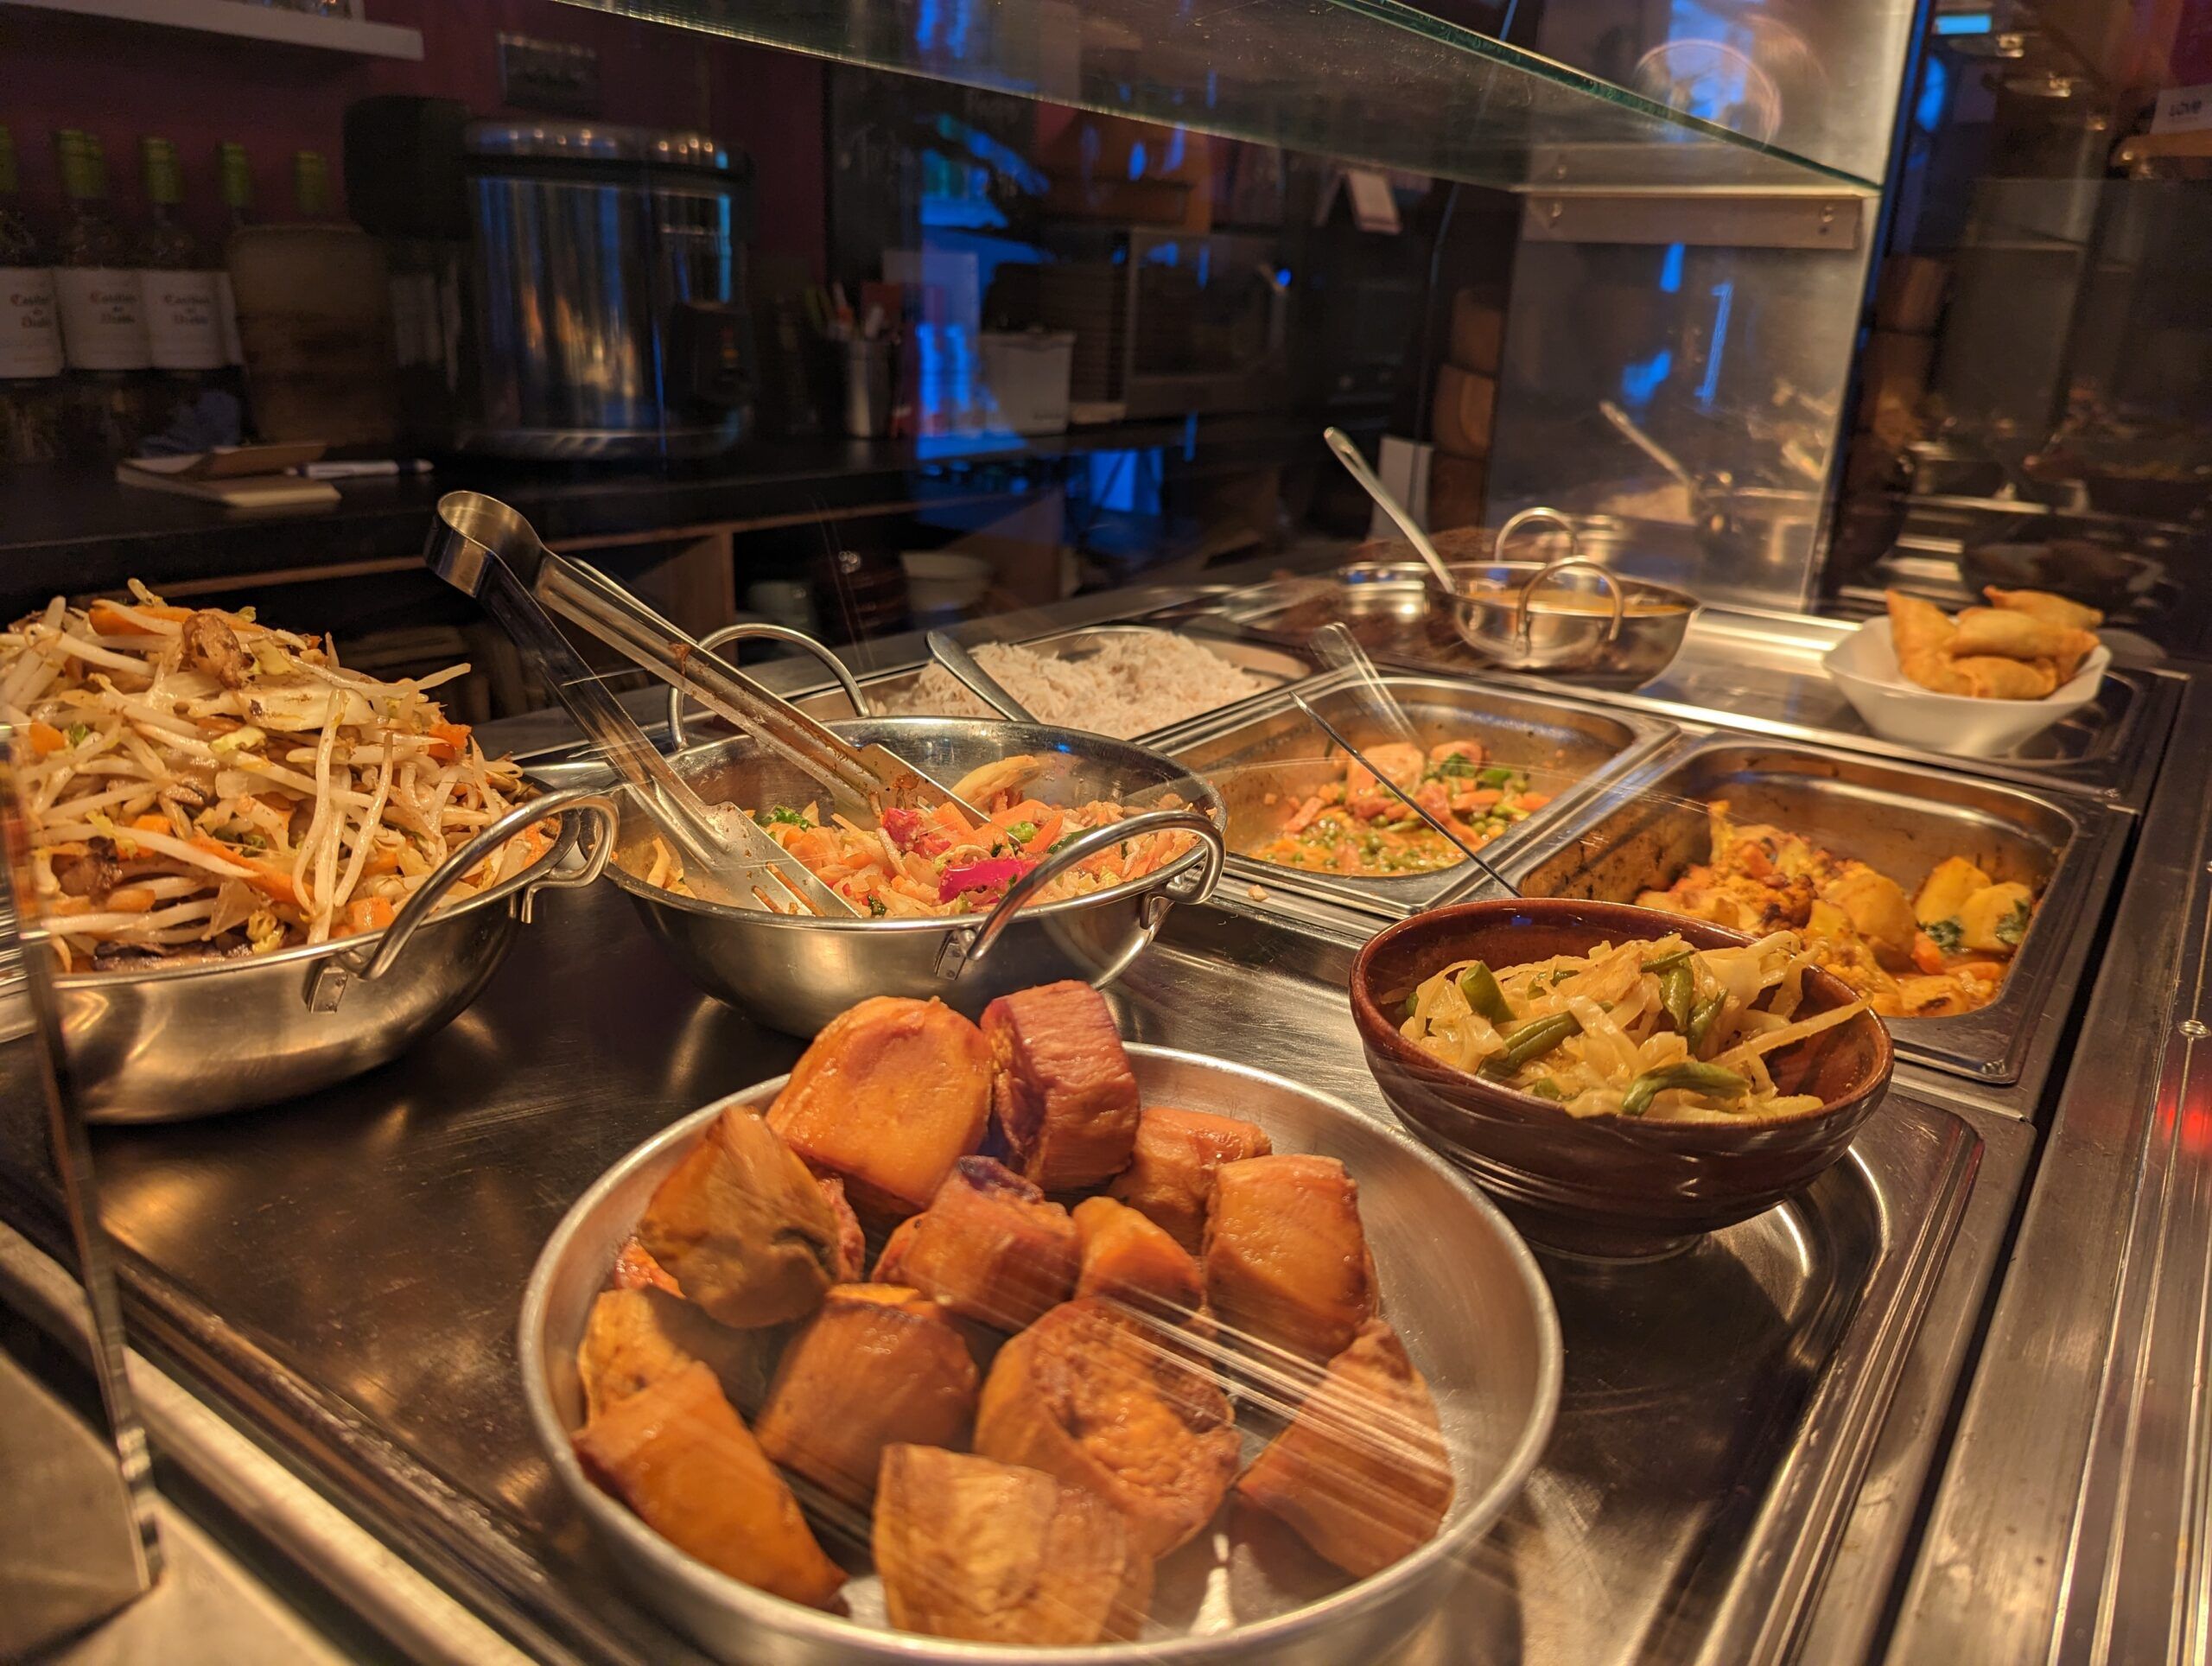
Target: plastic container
1028,374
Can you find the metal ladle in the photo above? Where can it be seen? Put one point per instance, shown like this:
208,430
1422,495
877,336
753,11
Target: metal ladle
1356,466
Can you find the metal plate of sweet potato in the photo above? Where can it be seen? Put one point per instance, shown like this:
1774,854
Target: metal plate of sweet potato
1458,1289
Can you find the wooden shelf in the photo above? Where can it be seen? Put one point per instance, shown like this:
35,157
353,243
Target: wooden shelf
240,21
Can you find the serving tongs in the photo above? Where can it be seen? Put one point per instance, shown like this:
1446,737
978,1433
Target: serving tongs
485,549
863,782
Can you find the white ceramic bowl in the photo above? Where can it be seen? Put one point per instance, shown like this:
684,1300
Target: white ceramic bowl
1864,666
940,582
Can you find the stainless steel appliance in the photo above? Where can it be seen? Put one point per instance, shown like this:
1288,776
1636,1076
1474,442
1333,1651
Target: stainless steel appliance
604,292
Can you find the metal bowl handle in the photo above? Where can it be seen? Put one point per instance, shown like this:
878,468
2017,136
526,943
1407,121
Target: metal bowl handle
728,634
328,987
1523,630
1531,516
965,951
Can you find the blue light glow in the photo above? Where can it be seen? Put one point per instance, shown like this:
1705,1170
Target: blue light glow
1671,271
1724,296
1137,160
1965,22
1176,143
1639,382
1935,96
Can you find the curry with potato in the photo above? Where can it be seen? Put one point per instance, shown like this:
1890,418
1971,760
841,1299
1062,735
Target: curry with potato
1935,955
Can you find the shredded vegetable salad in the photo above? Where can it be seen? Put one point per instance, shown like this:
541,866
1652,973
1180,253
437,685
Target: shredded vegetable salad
1653,1028
940,863
1359,826
199,784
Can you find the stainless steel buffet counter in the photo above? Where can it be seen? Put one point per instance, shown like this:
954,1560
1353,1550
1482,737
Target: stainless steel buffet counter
1752,1435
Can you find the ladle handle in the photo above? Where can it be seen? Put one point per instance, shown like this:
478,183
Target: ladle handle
1371,483
977,681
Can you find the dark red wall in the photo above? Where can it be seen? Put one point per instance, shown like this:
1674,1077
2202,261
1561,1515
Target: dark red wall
123,81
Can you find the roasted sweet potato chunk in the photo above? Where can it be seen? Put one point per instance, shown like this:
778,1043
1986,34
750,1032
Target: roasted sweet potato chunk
992,1248
1064,1097
878,1364
850,1260
634,1270
743,1225
890,1093
1093,1395
680,1456
642,1335
1286,1259
991,1553
1362,1474
1127,1257
1171,1177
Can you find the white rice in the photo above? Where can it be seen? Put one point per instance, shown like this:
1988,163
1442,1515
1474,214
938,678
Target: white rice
1136,682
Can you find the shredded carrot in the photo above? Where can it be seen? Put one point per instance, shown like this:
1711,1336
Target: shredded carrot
271,882
369,914
151,824
45,738
450,741
115,618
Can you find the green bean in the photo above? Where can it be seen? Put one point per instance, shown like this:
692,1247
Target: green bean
1479,984
1665,962
1560,975
1544,1088
1709,1079
1413,1003
1702,1018
1678,994
1531,1041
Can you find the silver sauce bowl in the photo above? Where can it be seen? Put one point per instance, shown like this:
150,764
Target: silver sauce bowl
794,972
197,1037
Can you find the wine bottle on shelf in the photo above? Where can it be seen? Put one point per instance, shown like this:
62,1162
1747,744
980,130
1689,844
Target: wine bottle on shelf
103,311
238,202
311,185
182,327
30,332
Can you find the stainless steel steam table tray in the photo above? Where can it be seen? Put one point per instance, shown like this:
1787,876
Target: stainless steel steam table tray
1902,818
1264,755
1760,671
344,1274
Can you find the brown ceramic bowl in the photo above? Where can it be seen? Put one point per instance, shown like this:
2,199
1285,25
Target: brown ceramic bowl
1614,1186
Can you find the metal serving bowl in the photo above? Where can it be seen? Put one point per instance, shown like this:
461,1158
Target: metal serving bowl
796,972
200,1037
1461,1290
1605,629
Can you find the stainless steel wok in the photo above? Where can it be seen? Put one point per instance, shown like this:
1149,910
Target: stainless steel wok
194,1039
797,972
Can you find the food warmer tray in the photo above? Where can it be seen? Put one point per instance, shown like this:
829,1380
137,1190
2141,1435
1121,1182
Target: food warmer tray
1902,818
1274,665
1268,749
344,1274
1762,671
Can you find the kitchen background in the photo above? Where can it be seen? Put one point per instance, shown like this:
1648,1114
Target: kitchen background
879,351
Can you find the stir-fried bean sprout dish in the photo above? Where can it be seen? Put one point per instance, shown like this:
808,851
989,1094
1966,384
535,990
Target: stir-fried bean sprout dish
1653,1028
200,783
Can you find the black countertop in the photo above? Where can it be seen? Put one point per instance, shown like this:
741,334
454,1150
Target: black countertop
74,530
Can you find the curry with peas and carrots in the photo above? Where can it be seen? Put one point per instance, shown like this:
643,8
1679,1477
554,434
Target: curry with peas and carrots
1359,826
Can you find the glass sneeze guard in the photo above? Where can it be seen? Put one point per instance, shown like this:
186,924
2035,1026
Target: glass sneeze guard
1369,81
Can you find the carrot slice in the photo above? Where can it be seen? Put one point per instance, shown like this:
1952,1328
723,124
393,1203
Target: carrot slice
151,824
273,883
116,619
369,914
45,738
450,741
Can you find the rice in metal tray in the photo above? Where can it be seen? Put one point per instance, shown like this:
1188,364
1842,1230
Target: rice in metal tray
1132,683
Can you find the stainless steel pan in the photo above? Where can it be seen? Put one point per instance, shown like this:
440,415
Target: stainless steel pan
794,972
1461,1290
200,1037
